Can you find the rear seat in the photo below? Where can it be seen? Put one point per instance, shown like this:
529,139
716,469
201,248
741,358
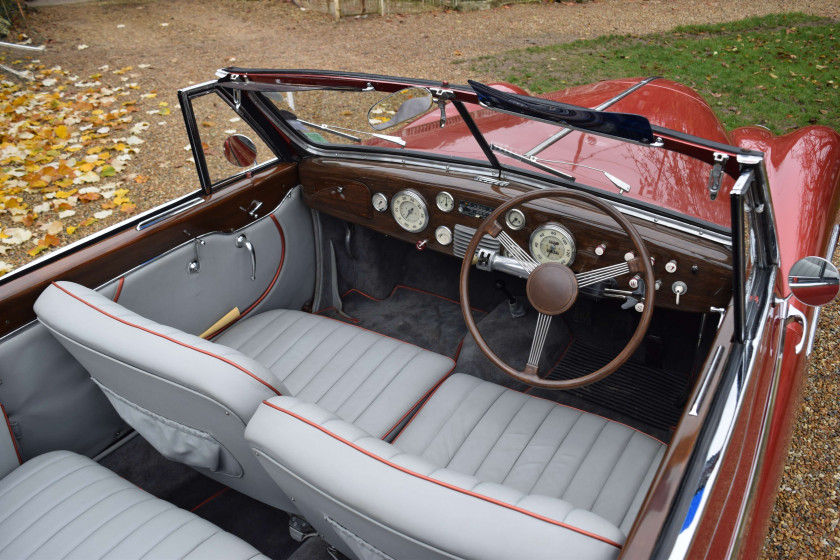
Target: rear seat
63,505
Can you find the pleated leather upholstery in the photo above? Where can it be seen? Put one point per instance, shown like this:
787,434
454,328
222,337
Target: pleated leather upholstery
536,447
63,505
361,376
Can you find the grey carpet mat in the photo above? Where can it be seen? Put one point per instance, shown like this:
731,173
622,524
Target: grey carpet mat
427,320
264,527
652,395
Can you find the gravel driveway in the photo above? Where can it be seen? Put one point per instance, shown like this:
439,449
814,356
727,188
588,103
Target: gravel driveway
185,41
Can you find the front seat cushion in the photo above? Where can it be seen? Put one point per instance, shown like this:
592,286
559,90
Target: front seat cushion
361,376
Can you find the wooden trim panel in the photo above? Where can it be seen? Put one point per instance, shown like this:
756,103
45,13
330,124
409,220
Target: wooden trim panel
703,265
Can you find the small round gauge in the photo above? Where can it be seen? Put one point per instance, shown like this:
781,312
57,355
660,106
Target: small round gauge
410,211
515,219
380,202
553,243
443,235
444,201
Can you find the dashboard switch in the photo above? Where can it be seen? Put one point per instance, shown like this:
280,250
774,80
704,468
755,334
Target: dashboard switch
679,288
600,249
629,256
634,282
422,244
671,266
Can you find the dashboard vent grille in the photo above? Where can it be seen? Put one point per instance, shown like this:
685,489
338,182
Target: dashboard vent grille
463,236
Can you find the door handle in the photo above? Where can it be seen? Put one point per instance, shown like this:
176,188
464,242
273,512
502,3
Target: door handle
241,242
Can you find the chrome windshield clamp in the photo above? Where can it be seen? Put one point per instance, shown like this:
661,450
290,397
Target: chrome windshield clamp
441,96
716,175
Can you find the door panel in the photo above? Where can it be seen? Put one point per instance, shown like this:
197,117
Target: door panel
50,399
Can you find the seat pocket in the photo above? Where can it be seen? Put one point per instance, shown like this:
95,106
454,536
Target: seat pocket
173,440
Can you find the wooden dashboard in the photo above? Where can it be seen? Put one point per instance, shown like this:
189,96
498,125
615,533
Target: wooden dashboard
345,188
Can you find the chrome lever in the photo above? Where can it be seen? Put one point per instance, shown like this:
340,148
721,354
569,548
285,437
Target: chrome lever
241,242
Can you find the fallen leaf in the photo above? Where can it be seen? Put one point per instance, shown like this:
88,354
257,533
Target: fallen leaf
71,229
16,236
103,214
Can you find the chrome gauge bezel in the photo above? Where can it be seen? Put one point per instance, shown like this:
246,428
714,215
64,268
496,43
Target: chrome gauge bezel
383,198
421,203
515,212
443,195
558,230
443,230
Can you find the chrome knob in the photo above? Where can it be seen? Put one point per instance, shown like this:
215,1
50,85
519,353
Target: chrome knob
671,266
600,249
639,307
634,282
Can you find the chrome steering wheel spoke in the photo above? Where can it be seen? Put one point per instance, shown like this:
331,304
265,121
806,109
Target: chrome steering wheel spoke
518,253
600,274
537,344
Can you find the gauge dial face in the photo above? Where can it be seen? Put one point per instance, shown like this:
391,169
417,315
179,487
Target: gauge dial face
515,219
553,243
444,201
380,202
410,211
443,235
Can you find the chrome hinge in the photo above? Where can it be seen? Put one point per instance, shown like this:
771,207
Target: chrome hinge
716,176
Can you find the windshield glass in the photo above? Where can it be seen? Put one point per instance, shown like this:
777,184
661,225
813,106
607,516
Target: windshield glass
373,119
661,177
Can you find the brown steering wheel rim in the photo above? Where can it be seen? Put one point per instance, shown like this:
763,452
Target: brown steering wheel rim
640,264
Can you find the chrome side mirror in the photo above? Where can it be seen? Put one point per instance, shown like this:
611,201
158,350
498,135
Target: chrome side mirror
240,150
399,107
814,281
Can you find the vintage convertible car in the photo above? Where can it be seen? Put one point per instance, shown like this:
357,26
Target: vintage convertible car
430,321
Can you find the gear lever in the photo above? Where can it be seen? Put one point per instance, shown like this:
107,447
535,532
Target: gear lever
514,305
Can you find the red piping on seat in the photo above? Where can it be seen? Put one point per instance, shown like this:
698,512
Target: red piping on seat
446,485
119,289
178,342
11,433
420,400
270,286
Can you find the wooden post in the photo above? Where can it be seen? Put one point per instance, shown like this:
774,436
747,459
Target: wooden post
337,9
382,8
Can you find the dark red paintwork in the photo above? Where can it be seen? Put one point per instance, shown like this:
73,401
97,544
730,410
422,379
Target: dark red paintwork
803,170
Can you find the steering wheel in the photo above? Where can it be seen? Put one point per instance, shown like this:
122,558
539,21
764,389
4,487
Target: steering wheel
553,288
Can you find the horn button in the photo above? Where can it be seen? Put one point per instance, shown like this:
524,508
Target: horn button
552,288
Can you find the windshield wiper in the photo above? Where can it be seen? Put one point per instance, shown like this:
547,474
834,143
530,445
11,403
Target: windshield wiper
540,163
337,130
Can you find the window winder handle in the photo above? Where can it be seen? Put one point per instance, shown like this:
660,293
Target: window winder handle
241,242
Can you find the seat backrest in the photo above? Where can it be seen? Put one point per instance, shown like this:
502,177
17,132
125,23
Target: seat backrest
190,398
371,500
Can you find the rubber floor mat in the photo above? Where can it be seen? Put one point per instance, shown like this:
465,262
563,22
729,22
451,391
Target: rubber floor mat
651,395
421,318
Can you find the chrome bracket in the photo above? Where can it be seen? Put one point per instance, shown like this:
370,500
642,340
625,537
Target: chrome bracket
794,314
195,265
441,96
716,175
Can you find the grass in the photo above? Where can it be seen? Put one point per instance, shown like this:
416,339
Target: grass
781,71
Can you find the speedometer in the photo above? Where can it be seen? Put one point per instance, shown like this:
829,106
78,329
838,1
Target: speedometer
553,243
410,211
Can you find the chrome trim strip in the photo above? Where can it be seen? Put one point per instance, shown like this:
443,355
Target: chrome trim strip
832,246
709,372
168,214
724,430
608,103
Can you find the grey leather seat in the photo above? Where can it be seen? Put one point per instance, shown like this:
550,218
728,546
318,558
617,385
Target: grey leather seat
191,398
63,505
480,472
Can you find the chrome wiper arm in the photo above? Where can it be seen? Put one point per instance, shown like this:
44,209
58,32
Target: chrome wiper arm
531,160
337,130
622,186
